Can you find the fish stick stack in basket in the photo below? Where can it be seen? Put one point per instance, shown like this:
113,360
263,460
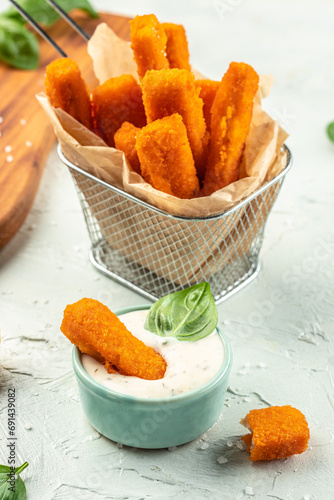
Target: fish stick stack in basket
185,151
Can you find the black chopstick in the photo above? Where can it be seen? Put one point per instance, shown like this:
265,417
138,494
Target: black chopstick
68,19
37,27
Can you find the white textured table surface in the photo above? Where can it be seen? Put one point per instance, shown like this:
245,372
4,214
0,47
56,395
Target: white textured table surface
283,349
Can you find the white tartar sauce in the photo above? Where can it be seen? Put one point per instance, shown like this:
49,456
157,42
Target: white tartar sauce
189,364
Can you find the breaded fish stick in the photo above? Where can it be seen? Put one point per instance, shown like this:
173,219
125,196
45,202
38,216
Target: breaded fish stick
125,140
88,323
277,432
165,157
231,115
177,46
148,42
208,90
117,100
172,91
67,90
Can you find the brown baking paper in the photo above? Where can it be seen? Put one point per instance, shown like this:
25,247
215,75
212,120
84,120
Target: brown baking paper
262,160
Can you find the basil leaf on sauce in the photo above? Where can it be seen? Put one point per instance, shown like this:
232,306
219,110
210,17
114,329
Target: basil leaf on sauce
190,314
8,491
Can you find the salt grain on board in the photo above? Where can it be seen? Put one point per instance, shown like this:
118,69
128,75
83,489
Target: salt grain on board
10,158
23,122
222,460
8,149
28,144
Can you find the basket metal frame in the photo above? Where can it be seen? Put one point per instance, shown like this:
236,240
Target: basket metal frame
101,248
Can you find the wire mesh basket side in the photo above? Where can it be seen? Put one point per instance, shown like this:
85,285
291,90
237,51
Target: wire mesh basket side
156,254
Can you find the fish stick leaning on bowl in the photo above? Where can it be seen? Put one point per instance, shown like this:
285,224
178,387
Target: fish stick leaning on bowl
93,328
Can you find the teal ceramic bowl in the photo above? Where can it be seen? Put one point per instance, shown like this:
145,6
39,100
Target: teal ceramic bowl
155,422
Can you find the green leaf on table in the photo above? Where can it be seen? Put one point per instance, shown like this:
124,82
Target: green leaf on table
18,46
190,314
44,14
330,131
9,491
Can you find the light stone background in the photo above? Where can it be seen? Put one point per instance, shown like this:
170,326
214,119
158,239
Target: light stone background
280,327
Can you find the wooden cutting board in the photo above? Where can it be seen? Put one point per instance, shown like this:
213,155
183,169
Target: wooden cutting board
26,136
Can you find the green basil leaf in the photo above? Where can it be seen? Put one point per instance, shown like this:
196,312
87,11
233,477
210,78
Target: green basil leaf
190,314
9,491
18,46
43,13
330,131
4,469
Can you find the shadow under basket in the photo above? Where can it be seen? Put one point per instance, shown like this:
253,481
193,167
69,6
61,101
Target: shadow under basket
155,253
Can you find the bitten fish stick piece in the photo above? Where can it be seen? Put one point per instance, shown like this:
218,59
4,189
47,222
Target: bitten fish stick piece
208,90
67,90
90,323
177,46
231,117
125,140
148,42
172,91
165,157
277,432
117,100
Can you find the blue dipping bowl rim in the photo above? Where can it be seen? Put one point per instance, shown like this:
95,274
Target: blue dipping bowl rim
103,391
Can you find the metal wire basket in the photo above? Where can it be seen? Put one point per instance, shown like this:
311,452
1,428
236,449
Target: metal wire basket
155,253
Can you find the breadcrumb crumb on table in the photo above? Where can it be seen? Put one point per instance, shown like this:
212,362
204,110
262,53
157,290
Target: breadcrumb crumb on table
276,432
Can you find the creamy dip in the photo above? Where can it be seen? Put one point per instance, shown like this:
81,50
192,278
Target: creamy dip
189,364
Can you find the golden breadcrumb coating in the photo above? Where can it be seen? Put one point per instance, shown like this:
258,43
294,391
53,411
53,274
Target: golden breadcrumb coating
177,46
90,325
165,157
67,90
231,115
208,90
277,432
116,101
148,42
125,140
172,91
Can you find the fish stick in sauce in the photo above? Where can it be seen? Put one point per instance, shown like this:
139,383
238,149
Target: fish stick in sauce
91,325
